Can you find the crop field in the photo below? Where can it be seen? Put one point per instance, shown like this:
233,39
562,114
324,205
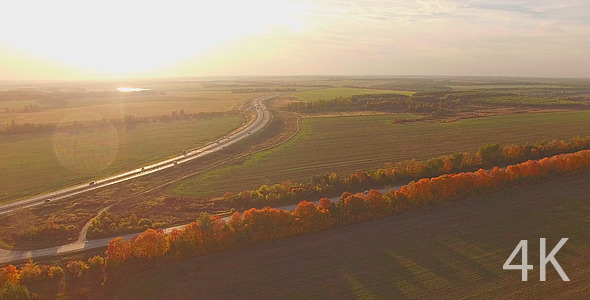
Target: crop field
344,144
123,104
526,100
444,252
506,86
16,104
332,93
220,85
33,163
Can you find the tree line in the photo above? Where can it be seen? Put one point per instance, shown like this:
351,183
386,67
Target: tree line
376,102
127,122
262,90
211,233
437,102
332,184
107,225
76,279
404,171
409,84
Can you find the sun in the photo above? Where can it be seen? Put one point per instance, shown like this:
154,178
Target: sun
131,37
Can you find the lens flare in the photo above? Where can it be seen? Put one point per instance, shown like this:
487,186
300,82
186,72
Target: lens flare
85,148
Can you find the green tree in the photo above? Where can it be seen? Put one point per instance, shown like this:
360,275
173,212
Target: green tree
14,292
490,155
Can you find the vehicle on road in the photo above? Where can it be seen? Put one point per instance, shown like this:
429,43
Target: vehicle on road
134,173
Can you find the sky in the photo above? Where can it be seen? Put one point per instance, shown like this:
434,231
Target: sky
135,39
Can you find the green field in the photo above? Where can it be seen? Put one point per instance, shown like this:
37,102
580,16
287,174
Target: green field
17,104
123,104
451,251
33,163
344,144
332,93
506,86
526,100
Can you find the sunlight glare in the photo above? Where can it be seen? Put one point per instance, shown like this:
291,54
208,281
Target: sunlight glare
130,89
128,37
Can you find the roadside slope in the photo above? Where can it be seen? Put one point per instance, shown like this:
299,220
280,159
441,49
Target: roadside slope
263,117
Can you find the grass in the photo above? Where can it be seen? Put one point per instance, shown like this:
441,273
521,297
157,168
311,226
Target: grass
128,104
451,251
516,85
526,100
332,93
344,144
19,104
33,163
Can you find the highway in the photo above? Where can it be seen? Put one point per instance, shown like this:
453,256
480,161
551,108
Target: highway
8,256
262,118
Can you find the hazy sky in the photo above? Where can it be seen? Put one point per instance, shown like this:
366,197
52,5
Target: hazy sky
96,39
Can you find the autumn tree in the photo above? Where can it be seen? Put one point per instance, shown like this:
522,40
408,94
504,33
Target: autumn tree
119,250
150,244
355,206
310,217
514,153
55,272
77,268
267,224
324,203
376,203
8,274
399,201
30,272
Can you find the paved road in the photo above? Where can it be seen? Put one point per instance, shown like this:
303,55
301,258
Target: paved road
263,117
8,256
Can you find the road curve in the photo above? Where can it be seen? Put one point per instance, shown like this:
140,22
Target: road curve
262,118
9,256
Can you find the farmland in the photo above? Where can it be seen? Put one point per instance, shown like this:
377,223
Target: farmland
527,100
344,144
446,252
331,93
297,149
389,257
118,105
38,162
54,135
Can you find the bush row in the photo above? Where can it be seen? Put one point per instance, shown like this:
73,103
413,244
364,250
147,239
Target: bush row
402,172
211,233
75,280
97,276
